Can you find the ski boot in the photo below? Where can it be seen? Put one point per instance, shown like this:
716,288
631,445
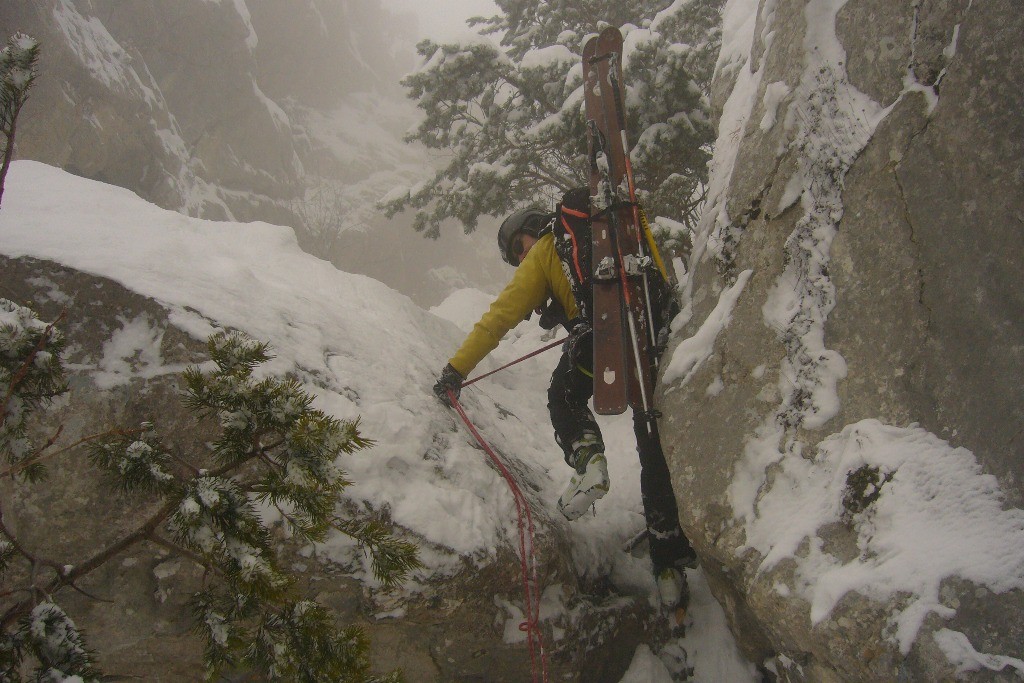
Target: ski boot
590,482
675,595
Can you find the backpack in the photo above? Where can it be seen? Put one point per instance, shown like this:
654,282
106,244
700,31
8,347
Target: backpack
572,233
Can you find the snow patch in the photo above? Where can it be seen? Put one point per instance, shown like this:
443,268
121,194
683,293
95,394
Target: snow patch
739,20
251,41
646,668
691,353
774,93
546,57
100,53
464,307
959,651
133,350
713,655
922,510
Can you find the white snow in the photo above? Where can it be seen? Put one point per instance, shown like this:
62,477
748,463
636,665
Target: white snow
251,40
363,350
711,652
56,637
277,114
936,516
691,353
707,652
959,651
132,350
100,53
646,668
544,57
738,20
463,307
774,93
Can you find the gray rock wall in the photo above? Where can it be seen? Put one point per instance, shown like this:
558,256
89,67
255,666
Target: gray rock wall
900,259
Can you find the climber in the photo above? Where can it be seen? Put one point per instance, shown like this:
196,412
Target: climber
546,251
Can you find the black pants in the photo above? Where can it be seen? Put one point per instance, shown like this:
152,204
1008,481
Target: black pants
572,385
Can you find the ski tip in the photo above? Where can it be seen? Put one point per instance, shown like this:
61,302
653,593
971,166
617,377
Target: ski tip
610,37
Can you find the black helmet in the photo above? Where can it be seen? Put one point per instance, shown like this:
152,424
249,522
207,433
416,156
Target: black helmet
530,221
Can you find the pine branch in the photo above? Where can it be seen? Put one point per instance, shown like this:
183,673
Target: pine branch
39,455
22,372
68,577
193,470
75,587
391,559
101,557
34,458
183,551
32,558
218,526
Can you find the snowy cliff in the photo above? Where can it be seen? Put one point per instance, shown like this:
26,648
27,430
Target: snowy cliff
144,287
847,454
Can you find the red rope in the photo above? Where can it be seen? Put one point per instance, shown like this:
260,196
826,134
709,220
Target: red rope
518,360
527,557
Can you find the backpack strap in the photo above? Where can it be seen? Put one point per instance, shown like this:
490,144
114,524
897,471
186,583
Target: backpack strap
576,238
573,244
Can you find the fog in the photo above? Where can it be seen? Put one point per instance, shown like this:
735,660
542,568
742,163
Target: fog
427,270
440,20
255,110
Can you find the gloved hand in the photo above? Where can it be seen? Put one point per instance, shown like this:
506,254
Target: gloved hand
450,379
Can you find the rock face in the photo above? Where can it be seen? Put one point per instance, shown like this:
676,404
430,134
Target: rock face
860,264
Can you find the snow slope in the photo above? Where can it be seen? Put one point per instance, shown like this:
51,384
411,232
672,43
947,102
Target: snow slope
364,350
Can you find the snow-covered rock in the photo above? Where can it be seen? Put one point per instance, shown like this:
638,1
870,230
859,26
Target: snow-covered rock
845,431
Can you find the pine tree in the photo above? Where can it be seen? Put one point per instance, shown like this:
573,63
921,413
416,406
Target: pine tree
274,448
17,74
510,116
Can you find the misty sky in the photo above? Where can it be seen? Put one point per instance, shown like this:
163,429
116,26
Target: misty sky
446,19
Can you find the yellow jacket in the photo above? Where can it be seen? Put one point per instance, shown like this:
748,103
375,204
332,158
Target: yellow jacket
538,278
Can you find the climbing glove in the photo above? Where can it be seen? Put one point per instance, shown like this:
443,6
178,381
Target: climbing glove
450,380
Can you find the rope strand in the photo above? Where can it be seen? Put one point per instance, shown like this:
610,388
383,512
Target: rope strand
527,556
518,360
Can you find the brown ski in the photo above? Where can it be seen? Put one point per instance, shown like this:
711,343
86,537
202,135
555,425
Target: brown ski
610,374
622,329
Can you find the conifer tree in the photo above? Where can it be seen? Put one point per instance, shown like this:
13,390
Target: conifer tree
274,448
17,74
508,115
